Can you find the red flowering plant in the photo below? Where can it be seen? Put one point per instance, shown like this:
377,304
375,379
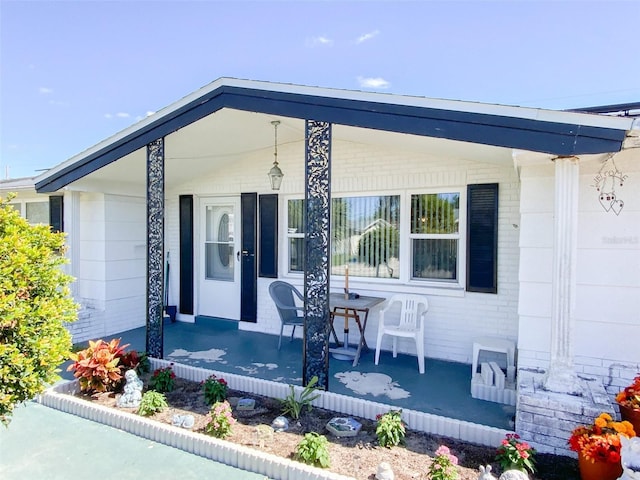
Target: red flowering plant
515,454
215,389
600,442
163,379
630,396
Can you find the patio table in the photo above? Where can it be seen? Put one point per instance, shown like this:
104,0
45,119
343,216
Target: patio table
352,308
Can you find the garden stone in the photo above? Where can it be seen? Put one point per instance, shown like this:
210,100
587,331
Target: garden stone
132,391
280,424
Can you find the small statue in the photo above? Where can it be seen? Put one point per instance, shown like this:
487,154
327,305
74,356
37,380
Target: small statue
485,473
514,475
384,472
132,391
630,453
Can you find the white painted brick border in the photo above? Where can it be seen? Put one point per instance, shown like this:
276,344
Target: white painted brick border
228,453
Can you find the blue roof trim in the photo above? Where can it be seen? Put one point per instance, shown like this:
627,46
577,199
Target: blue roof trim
510,132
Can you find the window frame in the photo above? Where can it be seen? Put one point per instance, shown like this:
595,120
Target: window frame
461,236
455,287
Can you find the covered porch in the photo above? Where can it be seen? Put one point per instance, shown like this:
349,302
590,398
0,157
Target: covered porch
215,344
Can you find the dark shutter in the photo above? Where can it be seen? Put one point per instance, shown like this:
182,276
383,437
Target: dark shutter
268,253
186,254
482,238
56,213
248,277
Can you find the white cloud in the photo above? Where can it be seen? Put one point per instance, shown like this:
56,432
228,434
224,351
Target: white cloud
45,90
58,103
319,41
117,115
377,82
367,36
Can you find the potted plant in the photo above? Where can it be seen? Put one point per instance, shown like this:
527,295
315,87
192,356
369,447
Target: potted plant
598,447
629,403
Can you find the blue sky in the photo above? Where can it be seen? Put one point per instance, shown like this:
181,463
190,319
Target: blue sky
75,72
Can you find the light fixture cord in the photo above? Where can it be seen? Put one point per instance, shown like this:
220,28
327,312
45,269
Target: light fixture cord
275,150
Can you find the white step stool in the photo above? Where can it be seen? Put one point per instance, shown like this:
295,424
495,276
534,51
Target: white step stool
493,344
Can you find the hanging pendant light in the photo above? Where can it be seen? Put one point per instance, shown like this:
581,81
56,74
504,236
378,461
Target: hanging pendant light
275,174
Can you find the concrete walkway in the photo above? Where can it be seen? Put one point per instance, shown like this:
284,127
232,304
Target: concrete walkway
42,443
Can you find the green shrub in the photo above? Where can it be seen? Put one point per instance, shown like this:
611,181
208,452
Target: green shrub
136,361
152,402
162,380
313,449
35,305
390,428
98,366
215,390
293,405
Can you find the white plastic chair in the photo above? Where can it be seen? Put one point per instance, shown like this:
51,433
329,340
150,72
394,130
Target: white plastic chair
411,325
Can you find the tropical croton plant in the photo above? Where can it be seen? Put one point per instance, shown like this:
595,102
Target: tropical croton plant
630,396
600,442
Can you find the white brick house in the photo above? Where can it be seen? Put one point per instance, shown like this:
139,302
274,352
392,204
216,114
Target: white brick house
559,276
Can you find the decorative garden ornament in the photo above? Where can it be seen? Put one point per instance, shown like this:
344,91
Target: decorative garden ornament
485,473
514,475
630,458
132,391
384,472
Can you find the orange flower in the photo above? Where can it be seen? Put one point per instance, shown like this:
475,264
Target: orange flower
600,441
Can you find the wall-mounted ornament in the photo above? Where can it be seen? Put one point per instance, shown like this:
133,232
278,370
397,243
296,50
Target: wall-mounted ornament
608,178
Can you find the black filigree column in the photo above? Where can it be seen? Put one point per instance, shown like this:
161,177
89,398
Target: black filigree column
316,272
155,246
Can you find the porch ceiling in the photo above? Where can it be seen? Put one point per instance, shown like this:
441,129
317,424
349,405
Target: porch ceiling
228,135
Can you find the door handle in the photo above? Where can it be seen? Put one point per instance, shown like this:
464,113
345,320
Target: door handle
238,255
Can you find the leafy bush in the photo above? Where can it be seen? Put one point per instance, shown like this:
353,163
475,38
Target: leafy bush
220,420
313,449
215,390
163,380
152,402
136,361
35,305
98,366
390,428
293,406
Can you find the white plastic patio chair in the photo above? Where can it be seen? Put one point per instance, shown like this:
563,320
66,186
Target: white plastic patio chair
411,324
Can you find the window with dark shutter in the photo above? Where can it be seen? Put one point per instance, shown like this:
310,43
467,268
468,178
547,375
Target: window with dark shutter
482,238
186,254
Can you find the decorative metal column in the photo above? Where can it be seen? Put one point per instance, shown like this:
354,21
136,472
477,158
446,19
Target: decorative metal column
561,376
155,246
316,271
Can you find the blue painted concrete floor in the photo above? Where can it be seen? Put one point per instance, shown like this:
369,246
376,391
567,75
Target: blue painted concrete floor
444,388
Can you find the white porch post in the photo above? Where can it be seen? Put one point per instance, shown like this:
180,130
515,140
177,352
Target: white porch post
561,376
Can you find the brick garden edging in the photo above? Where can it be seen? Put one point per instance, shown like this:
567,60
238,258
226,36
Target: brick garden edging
60,397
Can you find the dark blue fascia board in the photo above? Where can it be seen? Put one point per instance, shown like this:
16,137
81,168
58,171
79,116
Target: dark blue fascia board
510,132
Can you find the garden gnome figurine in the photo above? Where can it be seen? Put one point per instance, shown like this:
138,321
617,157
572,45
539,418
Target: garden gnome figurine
485,473
630,458
132,391
384,472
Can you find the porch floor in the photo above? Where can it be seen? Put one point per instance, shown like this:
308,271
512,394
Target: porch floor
444,388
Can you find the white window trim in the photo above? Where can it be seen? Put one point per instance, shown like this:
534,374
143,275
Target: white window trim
404,283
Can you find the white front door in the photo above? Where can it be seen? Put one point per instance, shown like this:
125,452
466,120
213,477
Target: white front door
219,285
